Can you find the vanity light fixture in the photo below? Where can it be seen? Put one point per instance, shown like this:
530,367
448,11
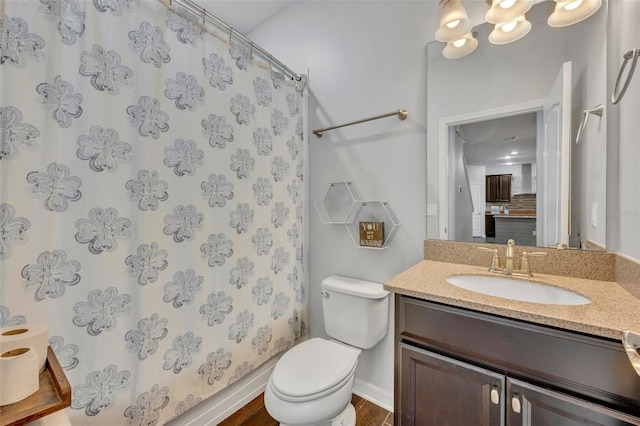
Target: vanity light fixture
503,11
454,23
508,32
508,17
573,11
460,47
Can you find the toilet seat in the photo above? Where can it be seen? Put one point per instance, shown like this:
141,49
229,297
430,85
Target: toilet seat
312,369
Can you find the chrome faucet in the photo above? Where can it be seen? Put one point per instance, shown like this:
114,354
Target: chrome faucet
509,264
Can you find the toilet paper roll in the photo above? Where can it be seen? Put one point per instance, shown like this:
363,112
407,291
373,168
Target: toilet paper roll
26,335
19,375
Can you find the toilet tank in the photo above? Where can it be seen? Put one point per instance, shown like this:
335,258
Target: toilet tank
355,311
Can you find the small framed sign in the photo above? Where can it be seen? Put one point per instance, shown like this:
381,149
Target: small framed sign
371,234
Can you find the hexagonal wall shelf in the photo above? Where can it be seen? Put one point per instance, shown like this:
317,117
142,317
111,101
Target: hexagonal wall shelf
338,203
342,204
373,211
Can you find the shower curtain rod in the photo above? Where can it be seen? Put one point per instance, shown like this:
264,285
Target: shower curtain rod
401,113
202,12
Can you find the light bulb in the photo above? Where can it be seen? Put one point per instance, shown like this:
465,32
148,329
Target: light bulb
508,10
508,27
506,4
459,43
460,47
573,5
453,23
569,12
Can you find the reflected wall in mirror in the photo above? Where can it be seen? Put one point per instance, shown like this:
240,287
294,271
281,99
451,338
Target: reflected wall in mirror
499,100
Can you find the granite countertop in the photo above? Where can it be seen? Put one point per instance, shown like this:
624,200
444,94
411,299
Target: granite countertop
514,216
612,310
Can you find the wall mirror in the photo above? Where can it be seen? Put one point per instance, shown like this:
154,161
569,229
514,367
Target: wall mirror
512,112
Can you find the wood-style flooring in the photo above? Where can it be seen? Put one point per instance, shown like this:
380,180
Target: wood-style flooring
254,414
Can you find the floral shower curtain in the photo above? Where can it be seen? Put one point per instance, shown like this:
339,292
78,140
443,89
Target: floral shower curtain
151,202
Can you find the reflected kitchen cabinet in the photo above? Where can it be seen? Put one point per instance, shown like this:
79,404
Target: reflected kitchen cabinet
498,188
489,226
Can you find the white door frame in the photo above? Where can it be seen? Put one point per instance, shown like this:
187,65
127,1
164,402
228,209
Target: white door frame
445,145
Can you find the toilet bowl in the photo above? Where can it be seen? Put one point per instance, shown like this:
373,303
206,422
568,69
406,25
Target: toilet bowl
312,383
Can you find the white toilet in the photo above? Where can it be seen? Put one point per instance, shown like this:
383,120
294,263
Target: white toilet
311,384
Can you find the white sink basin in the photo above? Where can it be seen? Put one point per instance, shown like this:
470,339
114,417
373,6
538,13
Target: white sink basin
515,289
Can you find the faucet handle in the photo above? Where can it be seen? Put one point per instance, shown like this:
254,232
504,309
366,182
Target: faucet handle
533,253
525,267
495,260
487,249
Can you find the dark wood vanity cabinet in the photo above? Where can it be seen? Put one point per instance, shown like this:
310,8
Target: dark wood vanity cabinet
498,188
535,405
438,390
463,368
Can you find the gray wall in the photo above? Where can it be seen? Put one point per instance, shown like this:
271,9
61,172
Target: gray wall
588,169
623,152
364,59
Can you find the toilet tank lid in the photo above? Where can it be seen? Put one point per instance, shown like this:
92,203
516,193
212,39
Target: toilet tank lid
354,287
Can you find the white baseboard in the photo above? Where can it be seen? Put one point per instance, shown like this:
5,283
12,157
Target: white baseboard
212,411
378,396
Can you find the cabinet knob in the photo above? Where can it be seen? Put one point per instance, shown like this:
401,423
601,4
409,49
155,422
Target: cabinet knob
495,396
515,404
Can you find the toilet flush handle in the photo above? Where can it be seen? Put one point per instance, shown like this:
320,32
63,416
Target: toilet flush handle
324,294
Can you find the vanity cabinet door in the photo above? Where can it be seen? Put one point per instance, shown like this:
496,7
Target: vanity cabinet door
530,405
440,391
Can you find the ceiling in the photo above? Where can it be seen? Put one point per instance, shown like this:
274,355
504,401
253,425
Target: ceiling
493,142
244,15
